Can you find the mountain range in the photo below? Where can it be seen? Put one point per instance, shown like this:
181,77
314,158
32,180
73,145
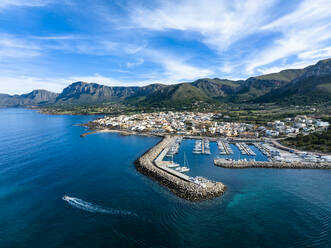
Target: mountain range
297,86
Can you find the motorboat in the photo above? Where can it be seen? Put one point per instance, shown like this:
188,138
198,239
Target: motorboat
66,198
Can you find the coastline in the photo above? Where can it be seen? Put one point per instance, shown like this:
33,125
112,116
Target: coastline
121,132
147,134
47,112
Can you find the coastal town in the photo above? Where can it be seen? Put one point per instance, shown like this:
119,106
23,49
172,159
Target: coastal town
207,124
239,145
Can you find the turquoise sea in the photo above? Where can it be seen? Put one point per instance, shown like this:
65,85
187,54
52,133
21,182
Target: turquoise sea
42,158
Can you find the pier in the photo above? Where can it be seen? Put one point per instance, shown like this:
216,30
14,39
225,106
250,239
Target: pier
194,189
197,147
224,147
265,151
244,149
206,146
201,146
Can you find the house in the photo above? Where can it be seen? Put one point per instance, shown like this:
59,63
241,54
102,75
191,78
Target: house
322,123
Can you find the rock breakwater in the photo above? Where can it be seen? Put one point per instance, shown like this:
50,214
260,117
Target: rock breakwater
271,164
183,188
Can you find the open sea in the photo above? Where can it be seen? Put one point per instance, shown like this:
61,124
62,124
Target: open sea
109,204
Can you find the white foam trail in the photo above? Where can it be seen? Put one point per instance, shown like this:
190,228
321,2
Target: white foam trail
79,203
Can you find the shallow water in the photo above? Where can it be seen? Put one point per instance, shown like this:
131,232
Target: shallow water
43,158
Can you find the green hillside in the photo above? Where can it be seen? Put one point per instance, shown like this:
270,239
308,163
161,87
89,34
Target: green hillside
216,88
313,89
173,95
285,75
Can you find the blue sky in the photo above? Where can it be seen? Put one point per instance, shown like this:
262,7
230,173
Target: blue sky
49,44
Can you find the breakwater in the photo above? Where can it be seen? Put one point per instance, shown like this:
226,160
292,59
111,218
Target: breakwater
179,185
271,164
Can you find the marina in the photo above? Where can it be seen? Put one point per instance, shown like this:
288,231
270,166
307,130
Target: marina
187,187
247,154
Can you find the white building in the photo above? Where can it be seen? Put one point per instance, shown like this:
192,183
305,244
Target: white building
322,123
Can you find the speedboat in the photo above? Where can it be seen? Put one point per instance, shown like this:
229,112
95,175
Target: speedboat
66,198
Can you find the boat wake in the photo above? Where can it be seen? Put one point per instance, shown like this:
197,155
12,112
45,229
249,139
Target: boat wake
86,206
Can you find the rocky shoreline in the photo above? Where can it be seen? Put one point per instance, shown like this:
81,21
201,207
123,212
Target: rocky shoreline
182,188
271,164
94,129
121,132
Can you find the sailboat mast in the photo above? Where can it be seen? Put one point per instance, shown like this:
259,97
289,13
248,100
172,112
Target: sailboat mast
185,161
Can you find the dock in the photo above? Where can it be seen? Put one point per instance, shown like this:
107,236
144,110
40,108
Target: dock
265,151
244,149
201,146
166,165
206,146
224,147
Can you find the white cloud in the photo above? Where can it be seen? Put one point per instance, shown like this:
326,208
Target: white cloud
300,18
96,78
136,63
12,47
292,44
26,3
227,68
304,33
23,84
220,22
316,54
63,37
133,48
278,68
175,68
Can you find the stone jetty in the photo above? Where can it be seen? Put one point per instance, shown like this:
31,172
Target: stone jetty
271,164
180,185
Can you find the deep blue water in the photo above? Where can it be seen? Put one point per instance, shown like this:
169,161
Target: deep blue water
43,158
